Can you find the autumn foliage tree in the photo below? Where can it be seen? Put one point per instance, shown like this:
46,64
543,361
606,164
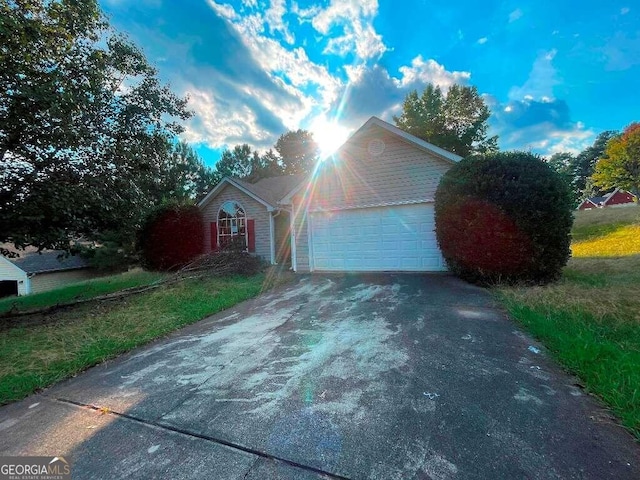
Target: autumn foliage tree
620,167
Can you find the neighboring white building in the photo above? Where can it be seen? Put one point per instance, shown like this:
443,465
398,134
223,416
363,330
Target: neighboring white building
13,280
35,272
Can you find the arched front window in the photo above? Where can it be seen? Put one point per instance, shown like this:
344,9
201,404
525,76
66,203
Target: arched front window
232,224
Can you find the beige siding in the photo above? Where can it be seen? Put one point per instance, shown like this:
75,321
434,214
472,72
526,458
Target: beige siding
377,168
402,173
301,233
253,209
8,271
283,240
42,282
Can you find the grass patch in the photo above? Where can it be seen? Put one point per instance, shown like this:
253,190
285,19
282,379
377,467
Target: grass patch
36,356
80,291
590,319
603,353
623,240
598,222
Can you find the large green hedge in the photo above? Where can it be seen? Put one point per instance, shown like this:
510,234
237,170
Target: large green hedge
504,217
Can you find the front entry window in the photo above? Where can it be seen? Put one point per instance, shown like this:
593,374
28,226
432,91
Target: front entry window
232,225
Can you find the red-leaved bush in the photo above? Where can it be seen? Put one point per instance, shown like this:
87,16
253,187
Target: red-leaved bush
481,236
171,237
504,217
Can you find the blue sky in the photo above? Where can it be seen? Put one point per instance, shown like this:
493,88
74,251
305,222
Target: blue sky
554,74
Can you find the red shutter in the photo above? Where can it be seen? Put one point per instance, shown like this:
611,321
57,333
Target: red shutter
214,236
251,234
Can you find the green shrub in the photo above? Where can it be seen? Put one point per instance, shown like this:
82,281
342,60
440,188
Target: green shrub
504,217
113,252
172,235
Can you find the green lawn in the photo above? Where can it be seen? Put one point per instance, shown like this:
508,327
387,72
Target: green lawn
80,291
35,355
590,319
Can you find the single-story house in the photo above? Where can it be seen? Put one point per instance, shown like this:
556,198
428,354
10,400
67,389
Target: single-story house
35,272
616,198
367,208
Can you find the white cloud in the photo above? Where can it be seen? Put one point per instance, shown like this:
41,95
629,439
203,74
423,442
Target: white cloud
543,125
558,141
208,127
483,40
622,51
224,10
274,18
289,67
430,71
263,84
355,20
371,90
515,15
542,78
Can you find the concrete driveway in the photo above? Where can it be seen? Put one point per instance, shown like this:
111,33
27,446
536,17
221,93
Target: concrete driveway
381,377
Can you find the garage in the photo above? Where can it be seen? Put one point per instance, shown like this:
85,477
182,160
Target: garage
13,280
397,238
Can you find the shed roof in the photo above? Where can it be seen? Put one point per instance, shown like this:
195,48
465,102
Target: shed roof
49,261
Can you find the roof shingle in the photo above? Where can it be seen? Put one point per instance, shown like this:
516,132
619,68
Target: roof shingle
49,261
272,189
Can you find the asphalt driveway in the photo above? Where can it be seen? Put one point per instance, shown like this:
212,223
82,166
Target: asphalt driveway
381,377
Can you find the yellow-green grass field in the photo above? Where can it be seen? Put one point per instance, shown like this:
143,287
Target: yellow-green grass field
590,319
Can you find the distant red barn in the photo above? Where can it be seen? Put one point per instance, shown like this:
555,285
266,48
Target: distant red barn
617,197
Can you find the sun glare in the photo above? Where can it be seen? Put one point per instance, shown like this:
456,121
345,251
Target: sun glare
329,135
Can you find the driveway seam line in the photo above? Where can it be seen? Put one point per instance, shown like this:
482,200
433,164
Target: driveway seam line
208,438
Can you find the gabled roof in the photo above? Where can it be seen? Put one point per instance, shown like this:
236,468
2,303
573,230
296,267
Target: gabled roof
602,200
585,201
267,191
418,142
272,189
377,122
12,266
275,191
49,261
610,195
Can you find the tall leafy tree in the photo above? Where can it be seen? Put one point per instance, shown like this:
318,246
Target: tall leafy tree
243,162
182,175
456,121
237,162
620,166
584,164
298,151
563,163
84,124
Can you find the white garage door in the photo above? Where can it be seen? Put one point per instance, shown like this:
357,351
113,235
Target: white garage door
400,238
